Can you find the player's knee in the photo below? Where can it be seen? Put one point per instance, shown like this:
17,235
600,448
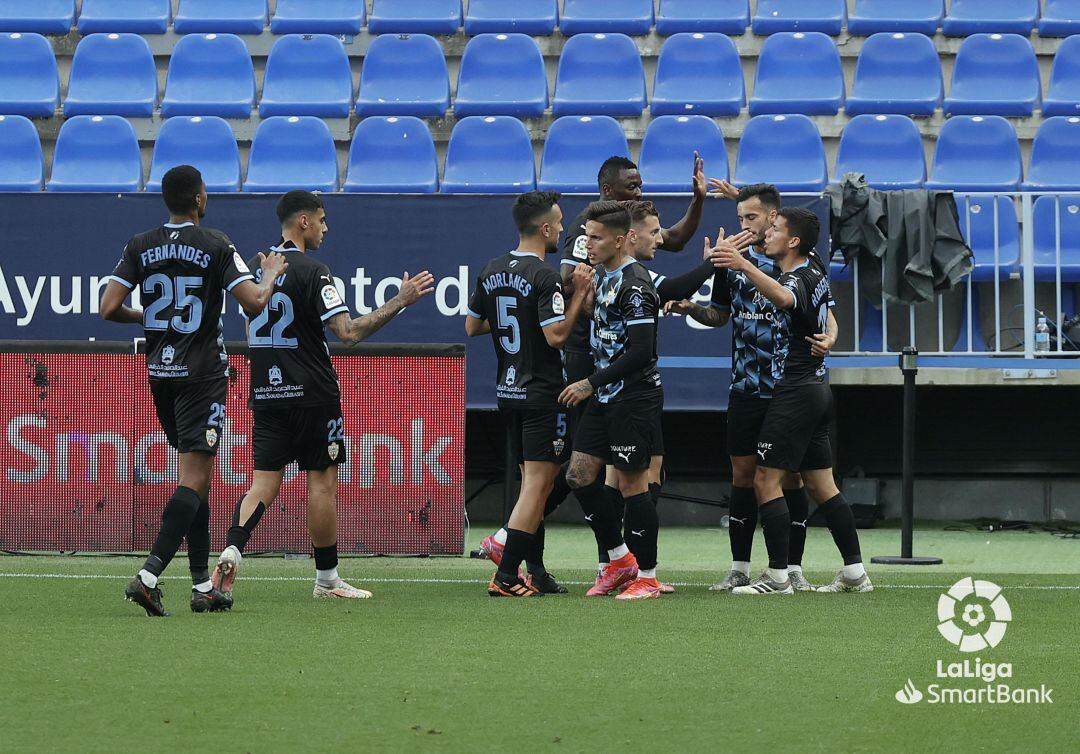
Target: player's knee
580,475
765,485
743,469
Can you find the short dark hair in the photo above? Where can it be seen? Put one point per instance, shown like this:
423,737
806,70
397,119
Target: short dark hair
530,207
609,171
295,202
765,192
804,225
180,186
612,215
639,210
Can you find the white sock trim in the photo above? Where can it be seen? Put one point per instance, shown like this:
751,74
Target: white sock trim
794,569
328,578
777,574
742,566
649,573
500,536
148,579
854,571
619,552
204,587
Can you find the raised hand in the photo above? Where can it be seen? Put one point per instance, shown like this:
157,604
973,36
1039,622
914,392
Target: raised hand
723,188
698,178
414,289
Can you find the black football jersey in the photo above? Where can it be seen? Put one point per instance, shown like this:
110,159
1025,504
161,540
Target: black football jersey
181,272
624,297
290,361
574,252
520,294
795,363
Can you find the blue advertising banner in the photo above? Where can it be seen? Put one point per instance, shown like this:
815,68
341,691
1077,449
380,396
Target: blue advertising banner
59,250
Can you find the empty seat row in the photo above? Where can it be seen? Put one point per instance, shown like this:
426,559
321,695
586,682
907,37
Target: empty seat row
540,17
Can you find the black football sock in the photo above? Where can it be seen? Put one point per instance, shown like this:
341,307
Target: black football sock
615,499
742,520
518,544
600,513
776,524
799,507
559,491
534,561
198,545
642,529
175,522
239,534
326,561
841,523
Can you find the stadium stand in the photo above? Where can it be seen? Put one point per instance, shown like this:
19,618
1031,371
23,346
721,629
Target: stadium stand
29,80
1063,93
977,153
994,74
217,17
22,164
415,17
1060,18
489,155
209,74
991,17
775,16
887,149
38,16
535,17
502,74
633,17
307,74
896,73
345,17
1045,218
96,153
404,75
112,74
782,149
911,16
599,74
392,155
1055,156
125,16
667,150
292,152
206,142
698,73
977,224
720,16
798,72
569,160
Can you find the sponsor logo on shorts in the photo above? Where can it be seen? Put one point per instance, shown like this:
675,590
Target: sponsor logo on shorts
624,451
763,448
211,437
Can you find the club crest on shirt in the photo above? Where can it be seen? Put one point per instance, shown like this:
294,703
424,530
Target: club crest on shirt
332,450
557,304
581,250
168,353
331,297
211,437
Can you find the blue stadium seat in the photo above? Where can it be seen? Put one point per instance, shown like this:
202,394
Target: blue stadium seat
896,73
976,153
502,74
573,149
29,82
125,16
96,153
292,152
887,149
721,16
990,16
112,74
415,17
912,16
489,155
599,74
774,16
976,215
38,16
667,152
318,17
606,16
1063,93
209,74
1045,219
994,74
798,72
782,149
698,73
1060,18
393,155
535,17
404,75
206,142
22,166
307,74
215,16
1055,156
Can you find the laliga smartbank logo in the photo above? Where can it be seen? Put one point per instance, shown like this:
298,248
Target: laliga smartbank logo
973,616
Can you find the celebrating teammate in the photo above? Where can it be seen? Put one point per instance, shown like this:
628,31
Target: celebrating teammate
295,393
519,300
181,269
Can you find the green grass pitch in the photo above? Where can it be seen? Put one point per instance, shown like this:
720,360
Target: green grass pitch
433,663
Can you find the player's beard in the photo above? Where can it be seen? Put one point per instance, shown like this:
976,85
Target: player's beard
551,247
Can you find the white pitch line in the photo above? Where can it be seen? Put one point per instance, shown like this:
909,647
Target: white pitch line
103,576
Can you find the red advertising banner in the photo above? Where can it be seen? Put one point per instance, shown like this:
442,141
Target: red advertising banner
85,466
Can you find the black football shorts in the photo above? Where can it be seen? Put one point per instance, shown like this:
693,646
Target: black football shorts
539,434
745,415
192,414
795,434
313,436
625,433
